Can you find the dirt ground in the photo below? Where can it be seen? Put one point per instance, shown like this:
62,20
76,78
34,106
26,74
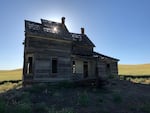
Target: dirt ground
117,96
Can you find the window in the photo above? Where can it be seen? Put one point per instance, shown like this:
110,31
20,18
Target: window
29,65
108,65
108,69
73,67
85,69
54,65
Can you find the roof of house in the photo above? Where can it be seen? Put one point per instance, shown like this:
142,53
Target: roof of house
58,30
51,29
47,29
55,28
81,39
104,56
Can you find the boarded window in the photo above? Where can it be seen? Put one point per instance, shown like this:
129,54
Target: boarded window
73,67
29,65
54,65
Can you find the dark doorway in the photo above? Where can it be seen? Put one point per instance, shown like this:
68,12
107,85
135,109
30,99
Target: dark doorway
85,69
54,65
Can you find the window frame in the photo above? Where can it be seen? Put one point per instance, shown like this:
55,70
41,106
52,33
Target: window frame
29,68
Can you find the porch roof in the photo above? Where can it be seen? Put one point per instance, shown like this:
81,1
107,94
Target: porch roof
104,56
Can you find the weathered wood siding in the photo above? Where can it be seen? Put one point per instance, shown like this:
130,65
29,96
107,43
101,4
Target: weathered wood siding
47,44
114,68
107,68
43,67
82,50
44,50
101,69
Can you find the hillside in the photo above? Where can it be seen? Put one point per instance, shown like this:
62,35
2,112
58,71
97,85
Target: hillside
11,74
142,69
115,97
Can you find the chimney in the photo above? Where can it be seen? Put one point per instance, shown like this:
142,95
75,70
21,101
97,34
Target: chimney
63,20
82,31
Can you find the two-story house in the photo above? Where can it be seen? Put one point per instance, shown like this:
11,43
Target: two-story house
52,53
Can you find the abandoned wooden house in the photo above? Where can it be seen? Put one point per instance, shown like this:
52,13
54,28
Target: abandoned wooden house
52,53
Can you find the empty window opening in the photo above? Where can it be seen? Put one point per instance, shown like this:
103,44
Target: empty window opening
108,65
29,65
73,67
108,70
54,65
85,69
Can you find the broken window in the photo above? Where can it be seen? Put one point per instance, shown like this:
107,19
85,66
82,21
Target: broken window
29,65
54,65
73,67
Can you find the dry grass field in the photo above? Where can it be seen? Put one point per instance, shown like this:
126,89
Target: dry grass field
143,69
11,75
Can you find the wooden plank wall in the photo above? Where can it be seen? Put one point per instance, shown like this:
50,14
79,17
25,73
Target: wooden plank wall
43,51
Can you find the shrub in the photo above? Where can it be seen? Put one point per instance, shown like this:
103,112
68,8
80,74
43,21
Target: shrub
65,84
83,99
22,108
25,98
37,88
63,110
41,108
2,106
145,108
117,98
100,100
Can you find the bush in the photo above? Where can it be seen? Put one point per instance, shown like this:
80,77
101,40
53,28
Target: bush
64,110
145,108
66,84
40,108
83,99
2,106
117,98
25,98
21,108
37,88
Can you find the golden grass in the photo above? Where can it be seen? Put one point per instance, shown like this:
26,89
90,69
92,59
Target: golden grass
143,69
8,86
11,75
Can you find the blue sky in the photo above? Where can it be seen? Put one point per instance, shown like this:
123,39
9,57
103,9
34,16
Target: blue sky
118,28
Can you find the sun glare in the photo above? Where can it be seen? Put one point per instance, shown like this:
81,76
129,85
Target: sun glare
55,29
69,21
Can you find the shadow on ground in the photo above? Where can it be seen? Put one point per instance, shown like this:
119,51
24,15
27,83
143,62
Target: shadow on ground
117,96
